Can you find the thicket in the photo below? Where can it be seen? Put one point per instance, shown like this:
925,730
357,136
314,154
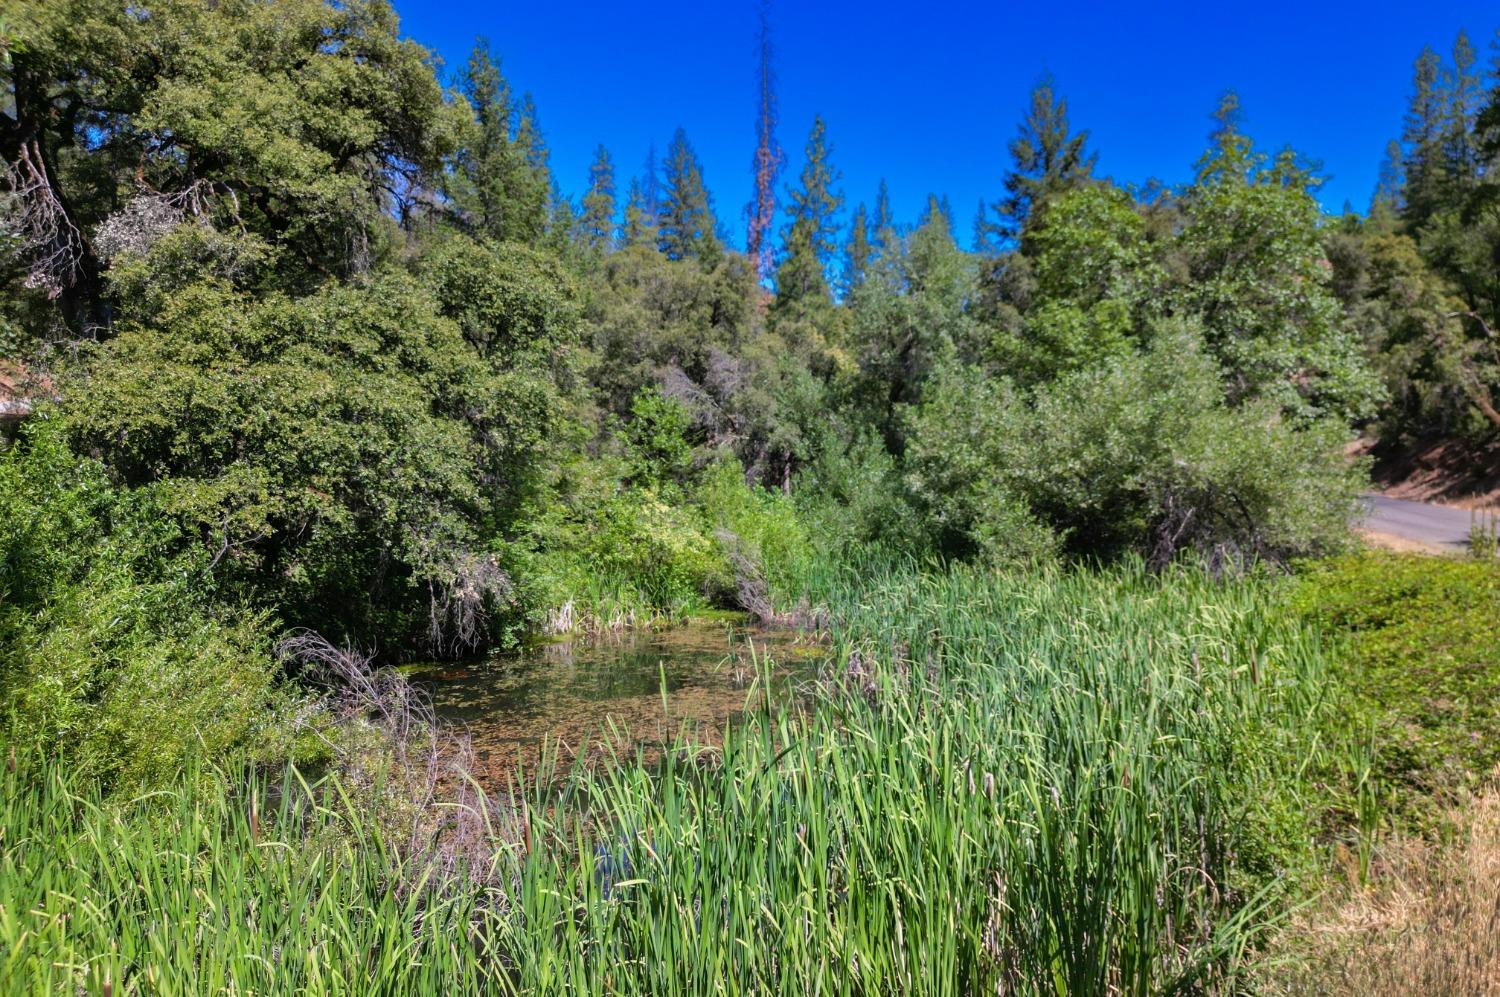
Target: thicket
391,385
115,657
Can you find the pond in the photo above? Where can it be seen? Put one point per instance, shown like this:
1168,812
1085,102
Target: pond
600,693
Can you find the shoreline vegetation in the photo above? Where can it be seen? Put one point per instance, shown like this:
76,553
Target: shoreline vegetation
1191,732
311,370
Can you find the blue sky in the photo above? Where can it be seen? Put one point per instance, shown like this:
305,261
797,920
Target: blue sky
929,95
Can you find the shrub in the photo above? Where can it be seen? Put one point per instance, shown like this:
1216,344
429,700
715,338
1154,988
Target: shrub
765,526
1419,664
612,553
342,454
109,656
1141,453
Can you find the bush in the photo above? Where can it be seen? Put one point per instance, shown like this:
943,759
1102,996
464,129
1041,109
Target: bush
763,525
344,454
1141,453
853,498
1420,666
109,656
606,552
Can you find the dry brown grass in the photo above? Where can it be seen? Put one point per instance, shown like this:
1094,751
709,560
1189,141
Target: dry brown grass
1427,924
402,774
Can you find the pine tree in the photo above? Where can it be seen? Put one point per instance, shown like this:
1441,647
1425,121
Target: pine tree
478,186
1390,193
564,233
809,239
637,229
1464,98
1423,140
651,192
1487,126
946,207
985,242
936,213
882,223
1047,159
598,219
532,187
857,250
1231,155
768,162
687,225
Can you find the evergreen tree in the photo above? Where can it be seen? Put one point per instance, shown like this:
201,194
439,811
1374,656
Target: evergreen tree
1047,159
637,229
1464,97
1230,155
985,241
809,240
564,232
477,189
857,251
1423,140
937,208
1487,125
769,159
534,186
882,222
651,192
598,219
1390,194
687,226
500,185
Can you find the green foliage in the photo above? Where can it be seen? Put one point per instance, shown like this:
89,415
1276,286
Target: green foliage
219,882
110,659
1432,320
1484,536
657,439
617,540
340,453
1047,159
499,186
763,525
1417,666
811,232
1046,753
1139,454
858,250
694,334
688,229
644,312
853,498
598,219
910,316
1094,279
1431,359
1259,283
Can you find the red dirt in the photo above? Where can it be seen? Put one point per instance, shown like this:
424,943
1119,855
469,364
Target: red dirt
19,389
1444,471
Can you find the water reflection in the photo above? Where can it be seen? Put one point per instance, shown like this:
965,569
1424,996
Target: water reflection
585,695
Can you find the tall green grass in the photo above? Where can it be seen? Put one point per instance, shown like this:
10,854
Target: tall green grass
1059,783
210,889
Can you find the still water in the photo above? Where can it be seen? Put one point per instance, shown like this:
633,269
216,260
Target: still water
593,695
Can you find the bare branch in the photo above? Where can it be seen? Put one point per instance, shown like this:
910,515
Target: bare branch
34,214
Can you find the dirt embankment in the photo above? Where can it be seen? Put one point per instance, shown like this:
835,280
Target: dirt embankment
1451,473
